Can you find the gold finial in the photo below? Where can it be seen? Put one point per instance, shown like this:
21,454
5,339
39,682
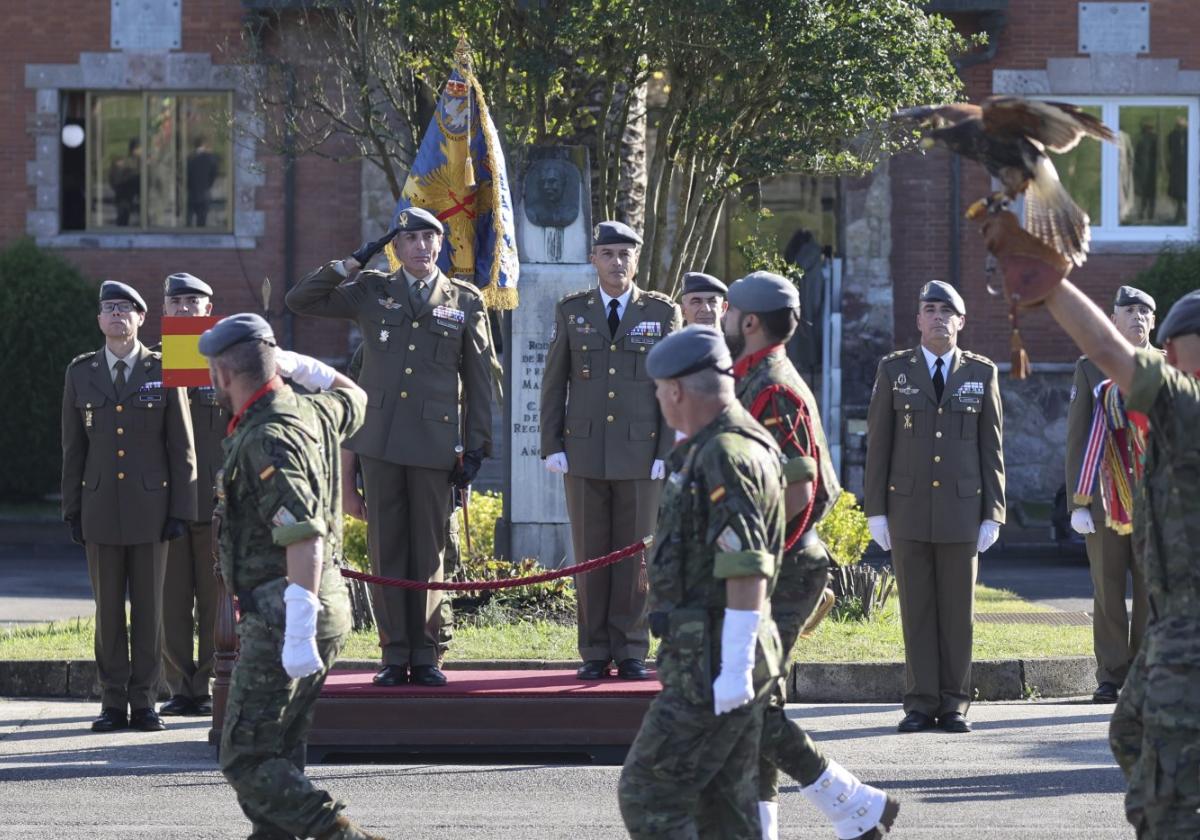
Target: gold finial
266,294
462,53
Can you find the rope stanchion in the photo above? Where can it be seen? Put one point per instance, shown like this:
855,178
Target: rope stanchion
506,583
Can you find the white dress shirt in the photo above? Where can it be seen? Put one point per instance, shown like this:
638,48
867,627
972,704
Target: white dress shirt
622,301
128,360
931,362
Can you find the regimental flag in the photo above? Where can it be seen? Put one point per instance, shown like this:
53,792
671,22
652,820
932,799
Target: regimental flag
459,175
182,364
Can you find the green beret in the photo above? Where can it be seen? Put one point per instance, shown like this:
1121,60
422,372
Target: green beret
235,329
615,233
691,349
696,283
412,219
944,292
182,283
763,291
1128,296
1183,319
112,290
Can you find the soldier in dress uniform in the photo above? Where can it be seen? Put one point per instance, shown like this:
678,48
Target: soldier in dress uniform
1110,552
716,552
1155,728
704,299
934,497
129,488
279,531
424,332
764,311
602,429
190,585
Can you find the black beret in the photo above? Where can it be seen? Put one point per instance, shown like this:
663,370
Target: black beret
763,291
689,350
182,283
245,326
112,290
1128,296
944,292
696,282
415,218
1183,319
615,233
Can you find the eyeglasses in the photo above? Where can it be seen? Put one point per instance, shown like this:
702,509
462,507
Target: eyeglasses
123,307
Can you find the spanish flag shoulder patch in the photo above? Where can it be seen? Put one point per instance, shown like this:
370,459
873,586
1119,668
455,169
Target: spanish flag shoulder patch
717,495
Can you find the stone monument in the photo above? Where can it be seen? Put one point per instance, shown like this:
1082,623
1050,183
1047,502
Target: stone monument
554,241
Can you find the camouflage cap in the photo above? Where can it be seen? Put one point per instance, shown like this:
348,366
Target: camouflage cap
691,349
615,233
944,292
182,283
235,329
412,219
1183,319
112,290
763,291
697,282
1128,296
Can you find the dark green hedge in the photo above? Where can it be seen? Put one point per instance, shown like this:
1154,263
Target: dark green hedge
47,317
1175,273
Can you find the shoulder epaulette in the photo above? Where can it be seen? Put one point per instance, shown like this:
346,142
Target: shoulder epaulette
466,285
650,293
895,354
975,357
574,295
82,356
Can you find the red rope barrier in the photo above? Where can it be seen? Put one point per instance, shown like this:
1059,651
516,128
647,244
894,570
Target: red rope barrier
507,583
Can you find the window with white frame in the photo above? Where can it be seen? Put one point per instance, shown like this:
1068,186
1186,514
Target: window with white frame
1144,187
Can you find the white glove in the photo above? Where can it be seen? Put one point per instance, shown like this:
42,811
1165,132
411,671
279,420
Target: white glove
1081,521
658,469
300,655
733,687
557,463
878,525
989,532
305,371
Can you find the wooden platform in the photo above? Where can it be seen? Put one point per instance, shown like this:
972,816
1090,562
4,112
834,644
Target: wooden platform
479,712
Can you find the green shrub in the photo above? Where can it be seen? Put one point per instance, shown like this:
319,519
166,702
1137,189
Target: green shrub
1175,273
47,317
844,530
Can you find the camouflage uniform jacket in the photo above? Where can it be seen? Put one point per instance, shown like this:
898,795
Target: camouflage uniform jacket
280,483
1166,518
721,517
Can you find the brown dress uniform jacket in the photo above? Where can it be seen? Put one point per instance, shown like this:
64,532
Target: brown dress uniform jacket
598,403
412,362
128,458
936,470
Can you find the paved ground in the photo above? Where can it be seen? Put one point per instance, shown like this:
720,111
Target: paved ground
1030,771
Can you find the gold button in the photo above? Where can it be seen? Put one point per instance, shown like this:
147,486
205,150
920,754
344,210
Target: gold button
404,395
978,492
612,371
120,475
584,347
612,347
937,434
610,418
446,417
891,486
416,324
568,432
654,434
120,431
412,347
164,484
408,370
120,453
939,411
937,483
445,332
83,484
612,395
89,405
937,459
907,406
120,408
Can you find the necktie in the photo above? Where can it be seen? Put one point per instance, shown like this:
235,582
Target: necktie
119,379
417,294
614,320
939,381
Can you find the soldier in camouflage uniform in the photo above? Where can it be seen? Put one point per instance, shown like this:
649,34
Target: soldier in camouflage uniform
1155,730
719,541
278,531
764,310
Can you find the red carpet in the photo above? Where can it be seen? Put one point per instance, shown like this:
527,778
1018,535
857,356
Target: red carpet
547,684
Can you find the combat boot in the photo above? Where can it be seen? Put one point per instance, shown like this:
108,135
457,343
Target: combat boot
346,829
857,811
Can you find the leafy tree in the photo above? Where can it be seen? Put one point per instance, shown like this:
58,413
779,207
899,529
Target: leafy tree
1172,275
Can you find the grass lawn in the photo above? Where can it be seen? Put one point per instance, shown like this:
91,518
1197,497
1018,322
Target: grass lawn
878,640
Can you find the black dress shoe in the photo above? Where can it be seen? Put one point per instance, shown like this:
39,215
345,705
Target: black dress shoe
177,706
593,669
953,722
146,720
633,669
915,722
111,719
428,675
201,707
1106,692
390,675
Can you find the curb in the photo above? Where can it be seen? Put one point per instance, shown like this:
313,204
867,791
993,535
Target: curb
808,682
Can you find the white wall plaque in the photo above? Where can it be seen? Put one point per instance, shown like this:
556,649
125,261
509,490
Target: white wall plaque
146,24
1114,28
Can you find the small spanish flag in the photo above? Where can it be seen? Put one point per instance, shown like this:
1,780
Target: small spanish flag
182,364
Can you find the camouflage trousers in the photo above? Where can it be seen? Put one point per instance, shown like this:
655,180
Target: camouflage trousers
785,745
264,738
691,774
1155,737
